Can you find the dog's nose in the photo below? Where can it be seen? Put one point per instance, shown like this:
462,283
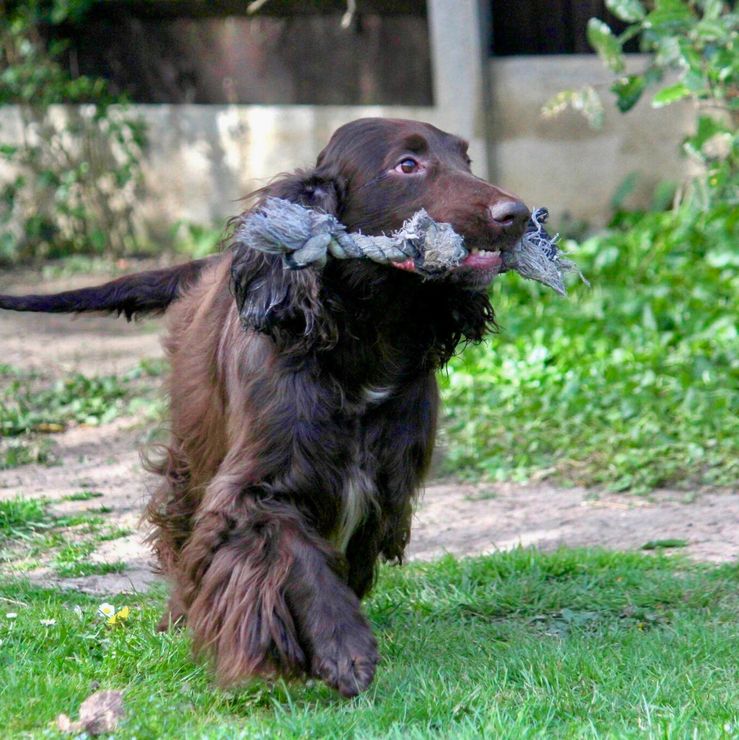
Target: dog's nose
510,215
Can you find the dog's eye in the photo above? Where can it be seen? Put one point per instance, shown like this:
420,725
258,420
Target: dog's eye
407,166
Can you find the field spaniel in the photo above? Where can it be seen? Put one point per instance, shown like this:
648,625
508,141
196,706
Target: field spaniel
303,404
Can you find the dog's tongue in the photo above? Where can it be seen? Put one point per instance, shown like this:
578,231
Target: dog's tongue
479,261
408,265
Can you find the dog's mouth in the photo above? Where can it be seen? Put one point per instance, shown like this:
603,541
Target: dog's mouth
482,259
476,260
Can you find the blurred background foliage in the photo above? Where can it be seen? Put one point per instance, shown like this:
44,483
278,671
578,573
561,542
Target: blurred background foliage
692,54
630,384
76,171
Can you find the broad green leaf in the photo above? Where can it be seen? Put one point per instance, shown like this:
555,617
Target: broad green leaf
712,8
670,94
710,30
628,90
668,51
601,38
630,11
668,15
708,127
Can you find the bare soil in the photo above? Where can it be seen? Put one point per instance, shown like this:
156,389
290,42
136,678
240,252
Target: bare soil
452,517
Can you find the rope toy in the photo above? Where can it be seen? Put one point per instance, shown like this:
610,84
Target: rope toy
536,255
306,237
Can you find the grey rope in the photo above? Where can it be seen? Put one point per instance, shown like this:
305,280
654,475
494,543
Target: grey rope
306,237
537,257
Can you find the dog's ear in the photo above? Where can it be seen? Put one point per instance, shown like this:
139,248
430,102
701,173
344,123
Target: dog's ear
288,305
321,189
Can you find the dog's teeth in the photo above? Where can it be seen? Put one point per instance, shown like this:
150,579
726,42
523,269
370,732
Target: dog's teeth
474,250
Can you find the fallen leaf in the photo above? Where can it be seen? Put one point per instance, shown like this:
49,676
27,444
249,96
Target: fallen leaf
49,428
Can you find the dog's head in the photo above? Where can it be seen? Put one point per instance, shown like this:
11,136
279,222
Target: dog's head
378,172
373,175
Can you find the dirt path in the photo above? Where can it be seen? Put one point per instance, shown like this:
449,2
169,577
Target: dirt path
451,517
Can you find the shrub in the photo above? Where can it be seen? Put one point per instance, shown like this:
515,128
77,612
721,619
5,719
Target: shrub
72,177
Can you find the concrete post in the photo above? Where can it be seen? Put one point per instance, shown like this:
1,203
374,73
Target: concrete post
459,33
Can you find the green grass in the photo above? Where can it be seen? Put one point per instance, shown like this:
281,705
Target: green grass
517,645
83,496
33,407
631,384
25,451
114,533
31,535
74,399
21,516
71,561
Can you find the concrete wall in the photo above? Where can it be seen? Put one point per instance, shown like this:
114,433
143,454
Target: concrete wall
204,158
563,163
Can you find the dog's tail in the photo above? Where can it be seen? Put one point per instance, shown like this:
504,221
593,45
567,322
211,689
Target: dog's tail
131,295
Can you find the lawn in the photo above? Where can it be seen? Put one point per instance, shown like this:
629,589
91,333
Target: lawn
570,644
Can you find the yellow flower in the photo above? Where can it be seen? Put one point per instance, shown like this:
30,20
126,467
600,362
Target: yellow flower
113,617
120,616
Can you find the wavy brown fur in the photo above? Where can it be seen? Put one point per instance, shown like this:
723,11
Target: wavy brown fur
308,407
148,292
303,412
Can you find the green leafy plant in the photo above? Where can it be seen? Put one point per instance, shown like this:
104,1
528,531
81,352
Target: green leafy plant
692,54
196,240
630,385
73,163
20,516
77,398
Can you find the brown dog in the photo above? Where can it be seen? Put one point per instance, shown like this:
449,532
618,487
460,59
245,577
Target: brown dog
303,412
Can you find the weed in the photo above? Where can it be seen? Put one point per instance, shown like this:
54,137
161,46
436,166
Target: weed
27,451
22,516
663,544
114,533
79,569
31,405
82,496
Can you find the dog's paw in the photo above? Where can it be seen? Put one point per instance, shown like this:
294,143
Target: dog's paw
346,661
174,616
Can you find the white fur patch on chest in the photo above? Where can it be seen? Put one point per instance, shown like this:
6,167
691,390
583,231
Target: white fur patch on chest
376,394
358,495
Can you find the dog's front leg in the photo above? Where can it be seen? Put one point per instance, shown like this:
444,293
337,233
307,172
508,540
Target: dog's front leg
265,594
335,635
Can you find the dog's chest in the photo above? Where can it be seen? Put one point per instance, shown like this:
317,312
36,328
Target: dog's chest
372,395
359,493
